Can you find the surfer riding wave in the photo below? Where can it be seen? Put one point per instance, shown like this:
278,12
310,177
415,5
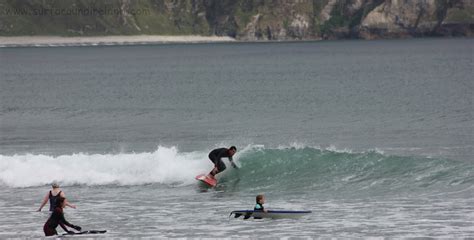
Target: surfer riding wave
216,156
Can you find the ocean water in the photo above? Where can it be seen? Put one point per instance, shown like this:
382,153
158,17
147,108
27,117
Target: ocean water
375,137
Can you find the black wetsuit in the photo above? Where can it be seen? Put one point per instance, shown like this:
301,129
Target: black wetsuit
53,200
56,218
216,156
259,207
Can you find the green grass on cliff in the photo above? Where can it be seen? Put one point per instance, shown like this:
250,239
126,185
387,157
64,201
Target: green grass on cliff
185,17
457,15
67,18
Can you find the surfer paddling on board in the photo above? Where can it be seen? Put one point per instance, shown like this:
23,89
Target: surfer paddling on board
260,200
216,156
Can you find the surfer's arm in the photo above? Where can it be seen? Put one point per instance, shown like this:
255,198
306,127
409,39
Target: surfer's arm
232,162
67,202
70,205
45,200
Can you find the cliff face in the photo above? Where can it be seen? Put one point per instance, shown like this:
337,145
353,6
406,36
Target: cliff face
399,18
241,19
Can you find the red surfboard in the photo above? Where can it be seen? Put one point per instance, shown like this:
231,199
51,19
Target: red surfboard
211,182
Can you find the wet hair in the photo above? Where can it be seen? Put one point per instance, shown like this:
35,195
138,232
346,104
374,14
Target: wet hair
258,198
55,185
233,148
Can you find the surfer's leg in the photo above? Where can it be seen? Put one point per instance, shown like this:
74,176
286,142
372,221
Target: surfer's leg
214,171
220,166
49,231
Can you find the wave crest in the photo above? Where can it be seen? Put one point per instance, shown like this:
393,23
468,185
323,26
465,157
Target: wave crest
269,169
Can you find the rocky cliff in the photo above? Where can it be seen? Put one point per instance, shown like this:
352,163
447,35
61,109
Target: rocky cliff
241,19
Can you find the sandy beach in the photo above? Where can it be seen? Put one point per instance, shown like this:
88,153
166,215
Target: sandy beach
39,41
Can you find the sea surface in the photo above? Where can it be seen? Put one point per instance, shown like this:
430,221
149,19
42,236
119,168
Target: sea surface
376,138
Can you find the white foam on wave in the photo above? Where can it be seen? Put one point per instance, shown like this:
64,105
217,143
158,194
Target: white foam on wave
166,165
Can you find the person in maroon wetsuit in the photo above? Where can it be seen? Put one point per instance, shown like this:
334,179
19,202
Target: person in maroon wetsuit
215,157
57,218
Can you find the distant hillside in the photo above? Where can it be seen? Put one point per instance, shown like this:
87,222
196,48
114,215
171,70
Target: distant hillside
240,19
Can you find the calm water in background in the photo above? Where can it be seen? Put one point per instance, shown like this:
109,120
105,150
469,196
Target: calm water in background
375,137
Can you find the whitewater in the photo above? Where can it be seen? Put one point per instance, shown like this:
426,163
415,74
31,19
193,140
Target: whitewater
310,168
374,137
150,194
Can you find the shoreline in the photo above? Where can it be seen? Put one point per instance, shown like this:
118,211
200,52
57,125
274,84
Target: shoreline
123,40
57,41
